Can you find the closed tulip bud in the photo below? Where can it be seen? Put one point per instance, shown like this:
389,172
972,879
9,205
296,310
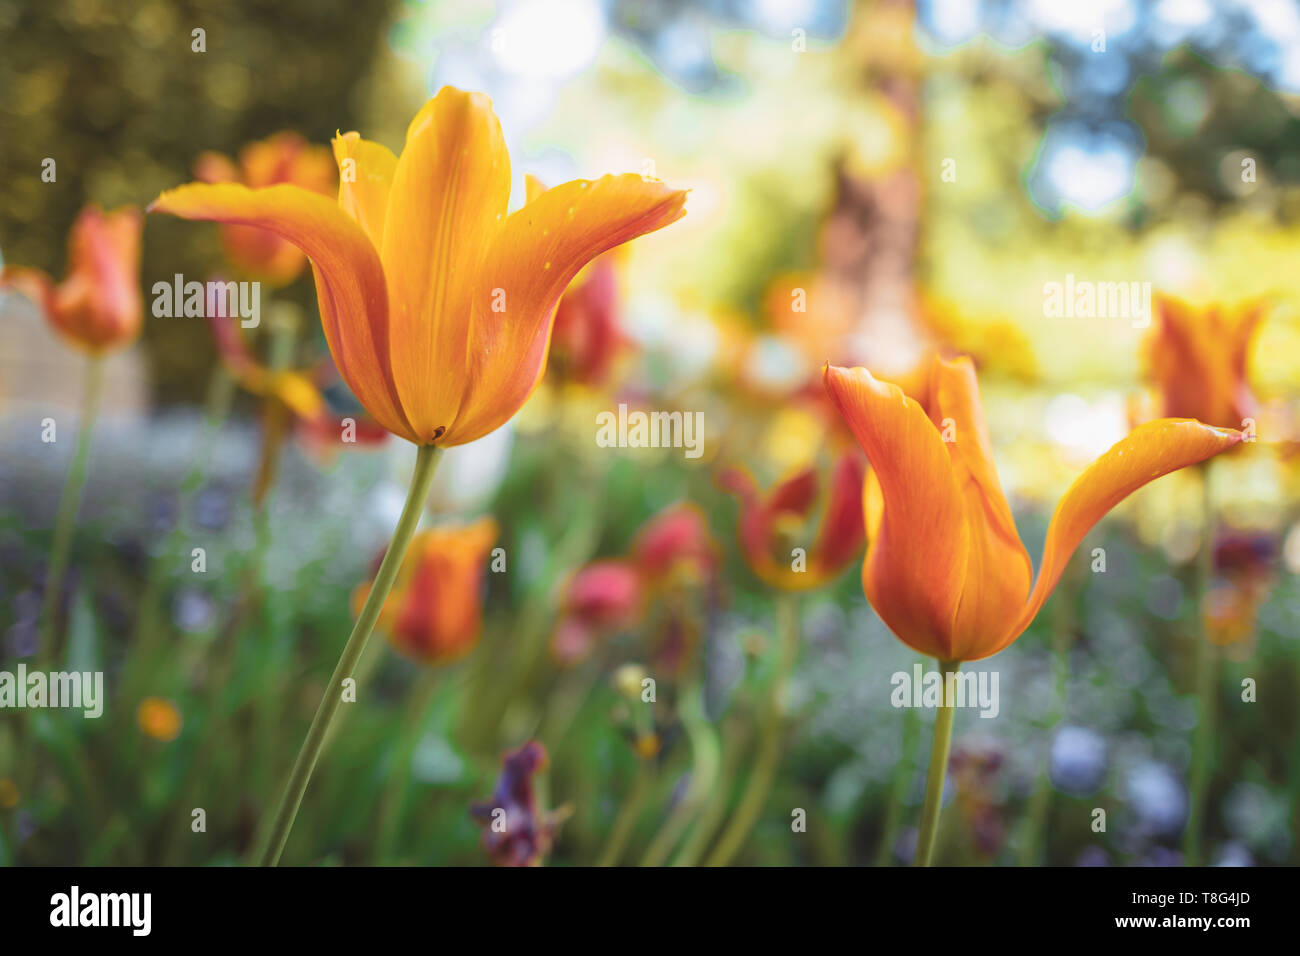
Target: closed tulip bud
1197,359
97,307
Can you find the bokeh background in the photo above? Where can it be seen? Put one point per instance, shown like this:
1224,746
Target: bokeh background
920,171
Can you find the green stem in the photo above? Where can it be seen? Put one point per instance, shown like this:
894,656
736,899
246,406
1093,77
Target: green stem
1206,664
627,816
938,771
769,752
425,465
736,733
705,758
65,523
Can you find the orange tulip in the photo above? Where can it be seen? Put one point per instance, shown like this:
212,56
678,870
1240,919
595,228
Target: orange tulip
435,610
770,526
437,306
283,158
586,338
97,307
1197,358
945,569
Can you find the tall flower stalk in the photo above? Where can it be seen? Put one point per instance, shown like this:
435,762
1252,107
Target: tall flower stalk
937,774
437,305
96,309
65,524
426,464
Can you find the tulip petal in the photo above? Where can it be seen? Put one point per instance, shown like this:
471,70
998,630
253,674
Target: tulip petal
34,284
998,569
794,495
448,201
349,279
533,260
364,185
533,187
752,524
1151,450
841,535
917,558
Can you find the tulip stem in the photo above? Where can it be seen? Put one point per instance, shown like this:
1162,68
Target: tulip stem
769,746
938,771
65,524
1203,739
425,464
627,815
705,759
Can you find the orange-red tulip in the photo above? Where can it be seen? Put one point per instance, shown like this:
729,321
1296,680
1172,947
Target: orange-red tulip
945,568
770,525
436,304
97,306
435,610
283,158
1197,359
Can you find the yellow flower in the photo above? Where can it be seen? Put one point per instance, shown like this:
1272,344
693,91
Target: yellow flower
436,305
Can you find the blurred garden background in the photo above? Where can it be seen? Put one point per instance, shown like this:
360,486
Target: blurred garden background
869,181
